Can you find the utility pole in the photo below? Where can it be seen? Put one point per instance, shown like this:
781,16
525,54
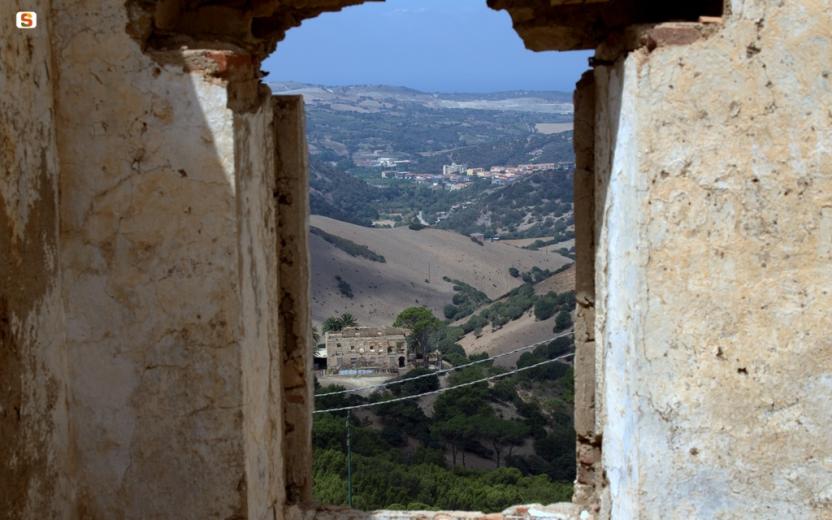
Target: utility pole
349,463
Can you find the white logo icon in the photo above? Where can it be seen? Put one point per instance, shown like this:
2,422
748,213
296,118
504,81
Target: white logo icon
26,19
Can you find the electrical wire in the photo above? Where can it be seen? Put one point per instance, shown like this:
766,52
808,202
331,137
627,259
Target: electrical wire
441,390
444,370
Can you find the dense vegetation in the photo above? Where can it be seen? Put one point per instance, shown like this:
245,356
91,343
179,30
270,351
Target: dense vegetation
336,194
403,458
483,446
536,206
517,302
430,136
337,323
466,300
348,246
534,148
344,187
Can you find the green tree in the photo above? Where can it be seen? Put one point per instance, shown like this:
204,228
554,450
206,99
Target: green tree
501,434
563,321
417,381
456,432
332,324
337,323
545,307
423,326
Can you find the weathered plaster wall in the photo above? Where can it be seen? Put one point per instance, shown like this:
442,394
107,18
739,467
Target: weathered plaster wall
34,471
145,372
262,392
167,251
714,268
589,474
294,319
619,283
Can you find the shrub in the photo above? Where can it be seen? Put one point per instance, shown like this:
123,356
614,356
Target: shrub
466,300
348,246
563,321
344,287
545,307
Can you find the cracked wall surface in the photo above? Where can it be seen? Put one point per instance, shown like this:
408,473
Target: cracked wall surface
34,455
294,322
152,290
714,271
167,254
153,312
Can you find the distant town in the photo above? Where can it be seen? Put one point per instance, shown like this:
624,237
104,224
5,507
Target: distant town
458,176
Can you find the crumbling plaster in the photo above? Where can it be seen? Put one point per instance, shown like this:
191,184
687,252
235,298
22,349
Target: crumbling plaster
34,428
147,371
167,262
713,270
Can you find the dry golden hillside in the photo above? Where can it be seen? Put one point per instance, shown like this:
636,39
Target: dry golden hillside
522,331
416,262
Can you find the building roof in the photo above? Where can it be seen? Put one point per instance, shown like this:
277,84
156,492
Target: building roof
367,332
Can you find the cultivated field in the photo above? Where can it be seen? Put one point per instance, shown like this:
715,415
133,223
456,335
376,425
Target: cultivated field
553,128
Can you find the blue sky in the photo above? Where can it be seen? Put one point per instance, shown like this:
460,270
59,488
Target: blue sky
432,45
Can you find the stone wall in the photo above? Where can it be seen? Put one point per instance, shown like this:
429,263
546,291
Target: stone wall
294,314
153,317
587,427
152,250
168,248
713,269
262,398
34,430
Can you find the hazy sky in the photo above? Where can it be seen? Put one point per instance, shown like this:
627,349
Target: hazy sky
434,45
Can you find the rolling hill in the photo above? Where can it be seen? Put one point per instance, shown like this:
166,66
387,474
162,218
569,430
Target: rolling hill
413,270
377,98
522,331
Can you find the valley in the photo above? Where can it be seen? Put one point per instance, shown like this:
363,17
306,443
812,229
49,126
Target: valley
450,217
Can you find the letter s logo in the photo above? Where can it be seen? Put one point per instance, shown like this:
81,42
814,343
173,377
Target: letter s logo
27,19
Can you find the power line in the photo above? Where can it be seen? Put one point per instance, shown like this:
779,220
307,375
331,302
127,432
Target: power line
444,370
440,390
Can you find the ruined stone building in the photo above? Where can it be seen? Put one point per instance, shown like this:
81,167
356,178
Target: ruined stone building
367,350
154,271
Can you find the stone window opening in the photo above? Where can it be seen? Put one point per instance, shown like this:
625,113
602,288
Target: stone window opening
400,361
154,301
222,44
